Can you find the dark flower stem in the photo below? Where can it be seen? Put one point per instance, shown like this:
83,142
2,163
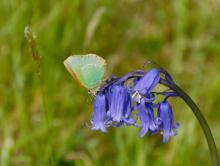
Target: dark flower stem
200,118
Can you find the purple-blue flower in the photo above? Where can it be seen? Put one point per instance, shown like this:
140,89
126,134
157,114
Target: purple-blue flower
131,100
146,115
120,104
144,85
99,113
165,116
147,82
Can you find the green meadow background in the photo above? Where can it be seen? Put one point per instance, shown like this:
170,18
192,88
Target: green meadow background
43,111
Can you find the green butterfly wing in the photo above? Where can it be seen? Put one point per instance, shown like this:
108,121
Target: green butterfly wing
88,69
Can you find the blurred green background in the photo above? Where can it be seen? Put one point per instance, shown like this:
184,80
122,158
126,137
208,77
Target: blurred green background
43,117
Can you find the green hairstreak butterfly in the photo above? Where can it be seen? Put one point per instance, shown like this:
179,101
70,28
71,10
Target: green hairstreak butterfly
88,69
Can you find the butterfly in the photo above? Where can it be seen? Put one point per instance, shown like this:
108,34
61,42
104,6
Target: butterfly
89,70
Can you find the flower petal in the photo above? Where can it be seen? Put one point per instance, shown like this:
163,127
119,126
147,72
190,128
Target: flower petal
148,81
165,113
119,103
152,124
147,119
99,113
144,120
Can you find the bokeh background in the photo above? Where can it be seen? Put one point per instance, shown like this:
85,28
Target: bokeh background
43,111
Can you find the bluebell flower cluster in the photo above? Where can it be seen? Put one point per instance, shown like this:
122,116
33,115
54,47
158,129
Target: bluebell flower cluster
131,100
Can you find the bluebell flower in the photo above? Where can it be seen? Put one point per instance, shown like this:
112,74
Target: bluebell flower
120,103
148,81
145,84
165,115
99,115
147,119
130,100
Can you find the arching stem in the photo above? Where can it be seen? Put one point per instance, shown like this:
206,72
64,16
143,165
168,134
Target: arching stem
200,118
